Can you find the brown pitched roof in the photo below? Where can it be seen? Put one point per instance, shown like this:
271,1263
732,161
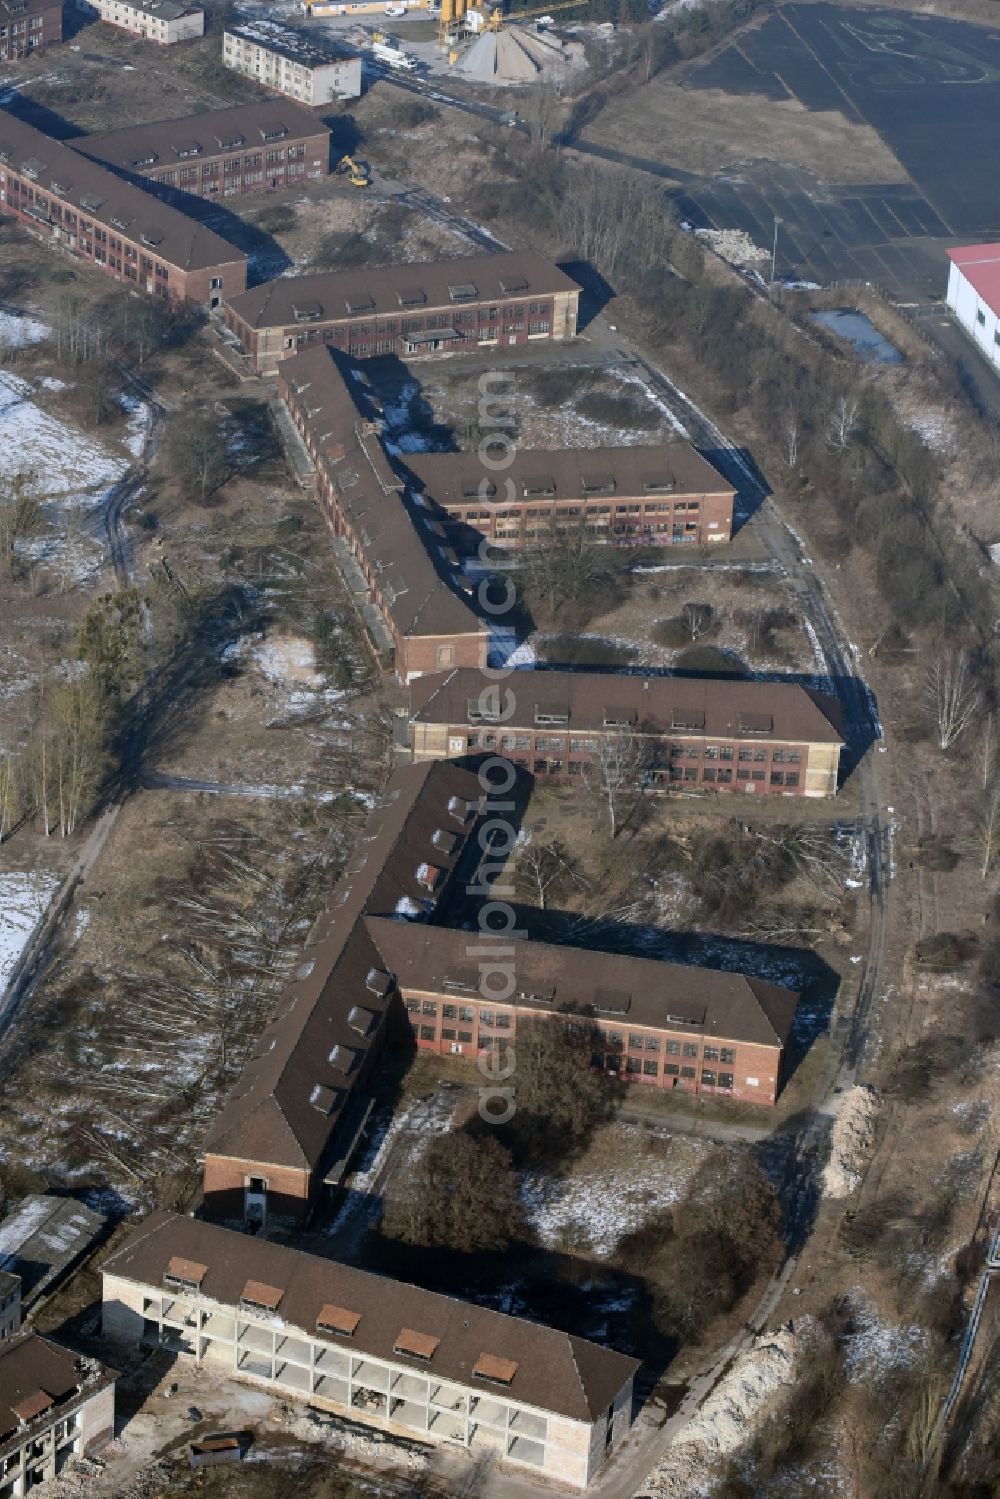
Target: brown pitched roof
217,130
709,707
37,1375
335,1006
92,190
614,987
400,548
454,479
376,290
553,1370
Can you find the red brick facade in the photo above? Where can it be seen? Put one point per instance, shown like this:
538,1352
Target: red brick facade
667,495
27,27
426,626
658,1056
68,201
486,301
222,153
227,1184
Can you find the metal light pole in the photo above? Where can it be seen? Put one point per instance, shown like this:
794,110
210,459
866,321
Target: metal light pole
774,247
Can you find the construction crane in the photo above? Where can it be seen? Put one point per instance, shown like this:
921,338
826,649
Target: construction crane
498,18
357,171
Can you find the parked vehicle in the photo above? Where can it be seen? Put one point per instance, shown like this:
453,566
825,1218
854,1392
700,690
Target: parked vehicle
394,57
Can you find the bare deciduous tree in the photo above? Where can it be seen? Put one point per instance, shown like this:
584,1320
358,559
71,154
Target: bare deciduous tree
952,696
10,792
987,751
697,618
546,870
986,831
791,433
21,516
842,421
617,773
615,222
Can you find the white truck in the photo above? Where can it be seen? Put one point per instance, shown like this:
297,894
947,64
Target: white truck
394,57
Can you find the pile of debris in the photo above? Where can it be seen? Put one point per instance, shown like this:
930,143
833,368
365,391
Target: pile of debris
726,1420
851,1141
734,245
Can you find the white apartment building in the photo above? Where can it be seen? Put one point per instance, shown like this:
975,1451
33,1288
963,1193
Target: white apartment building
54,1406
377,1350
161,21
287,62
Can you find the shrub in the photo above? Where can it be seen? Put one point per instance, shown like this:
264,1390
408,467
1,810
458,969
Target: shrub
409,113
942,951
281,218
989,962
460,1194
618,411
709,660
585,650
557,387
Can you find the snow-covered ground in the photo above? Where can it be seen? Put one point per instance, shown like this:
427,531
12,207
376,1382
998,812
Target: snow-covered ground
68,465
596,1209
139,418
876,1346
288,663
16,332
24,898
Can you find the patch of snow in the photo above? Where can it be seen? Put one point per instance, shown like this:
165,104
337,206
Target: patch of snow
288,658
17,331
24,899
625,376
875,1346
601,1207
506,650
140,418
71,466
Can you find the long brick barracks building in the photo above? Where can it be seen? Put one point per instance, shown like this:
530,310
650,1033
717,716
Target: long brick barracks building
250,148
506,299
667,495
63,198
294,1118
415,603
698,733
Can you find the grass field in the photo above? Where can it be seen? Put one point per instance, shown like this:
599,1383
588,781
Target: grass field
708,130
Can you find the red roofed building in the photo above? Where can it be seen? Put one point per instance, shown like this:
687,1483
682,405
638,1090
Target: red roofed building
974,295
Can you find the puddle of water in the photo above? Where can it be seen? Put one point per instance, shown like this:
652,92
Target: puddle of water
861,333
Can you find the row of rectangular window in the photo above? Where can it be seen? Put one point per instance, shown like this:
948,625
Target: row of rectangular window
493,1021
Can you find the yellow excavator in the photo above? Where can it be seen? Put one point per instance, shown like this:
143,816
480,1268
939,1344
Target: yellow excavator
356,170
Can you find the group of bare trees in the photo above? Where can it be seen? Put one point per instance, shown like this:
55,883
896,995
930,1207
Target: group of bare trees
56,774
614,220
21,516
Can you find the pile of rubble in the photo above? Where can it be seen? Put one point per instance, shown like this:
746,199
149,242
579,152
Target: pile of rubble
851,1141
726,1420
733,245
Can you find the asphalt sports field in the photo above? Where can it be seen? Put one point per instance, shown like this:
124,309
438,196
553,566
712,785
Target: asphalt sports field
930,87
